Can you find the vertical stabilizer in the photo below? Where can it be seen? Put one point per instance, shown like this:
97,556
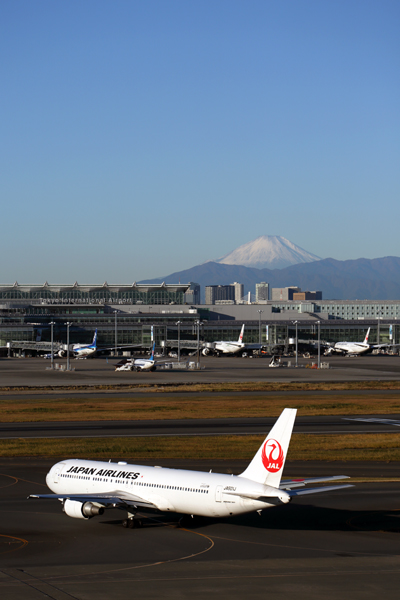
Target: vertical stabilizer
367,336
152,352
94,339
240,340
267,465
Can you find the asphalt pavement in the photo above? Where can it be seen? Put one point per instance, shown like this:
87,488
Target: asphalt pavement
35,372
340,544
355,424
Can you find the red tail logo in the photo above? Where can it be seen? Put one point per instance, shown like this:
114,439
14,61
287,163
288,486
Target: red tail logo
272,456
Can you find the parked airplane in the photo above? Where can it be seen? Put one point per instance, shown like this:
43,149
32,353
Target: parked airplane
82,350
138,364
232,347
87,487
354,348
86,350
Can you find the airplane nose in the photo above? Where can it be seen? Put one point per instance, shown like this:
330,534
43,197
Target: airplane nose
48,477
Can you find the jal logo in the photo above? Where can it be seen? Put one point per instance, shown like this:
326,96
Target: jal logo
272,456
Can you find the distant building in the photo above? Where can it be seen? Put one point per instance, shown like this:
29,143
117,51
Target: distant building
284,293
135,293
239,291
192,294
307,296
262,292
217,293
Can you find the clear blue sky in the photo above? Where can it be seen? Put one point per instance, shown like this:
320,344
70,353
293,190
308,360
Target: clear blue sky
144,137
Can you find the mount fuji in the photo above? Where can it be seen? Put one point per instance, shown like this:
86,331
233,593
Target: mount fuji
268,252
281,263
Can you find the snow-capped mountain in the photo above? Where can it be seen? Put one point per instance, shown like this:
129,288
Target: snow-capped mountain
268,252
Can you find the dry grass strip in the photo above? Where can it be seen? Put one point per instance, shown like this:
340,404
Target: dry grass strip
370,447
184,406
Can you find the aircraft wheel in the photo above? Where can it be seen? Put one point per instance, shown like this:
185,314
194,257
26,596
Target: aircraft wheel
125,523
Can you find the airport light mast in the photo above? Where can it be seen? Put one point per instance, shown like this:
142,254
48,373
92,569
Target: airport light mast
198,323
115,333
179,340
259,325
52,345
296,323
68,325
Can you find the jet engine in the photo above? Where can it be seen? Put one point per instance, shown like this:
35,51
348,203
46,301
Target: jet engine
81,510
205,351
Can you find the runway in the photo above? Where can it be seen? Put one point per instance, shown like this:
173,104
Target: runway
194,427
340,543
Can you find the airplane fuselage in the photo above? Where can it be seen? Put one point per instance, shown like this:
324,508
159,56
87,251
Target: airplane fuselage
174,490
351,347
228,347
83,351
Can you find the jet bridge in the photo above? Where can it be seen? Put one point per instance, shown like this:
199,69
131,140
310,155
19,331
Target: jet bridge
37,347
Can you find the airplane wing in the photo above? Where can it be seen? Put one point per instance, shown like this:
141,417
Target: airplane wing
123,347
108,500
288,484
387,345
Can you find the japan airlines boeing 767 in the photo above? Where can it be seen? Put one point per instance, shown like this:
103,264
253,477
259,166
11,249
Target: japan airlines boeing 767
355,348
87,487
232,347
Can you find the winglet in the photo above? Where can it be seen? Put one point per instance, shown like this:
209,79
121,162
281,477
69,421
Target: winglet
367,336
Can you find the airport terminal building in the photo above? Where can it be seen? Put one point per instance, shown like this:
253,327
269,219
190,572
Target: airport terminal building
128,314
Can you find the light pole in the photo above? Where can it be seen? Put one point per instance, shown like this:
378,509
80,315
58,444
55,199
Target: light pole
198,323
259,326
179,340
295,323
68,324
52,344
319,345
115,333
378,336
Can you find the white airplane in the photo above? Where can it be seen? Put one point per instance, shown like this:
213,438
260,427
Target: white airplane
232,347
354,348
86,350
87,487
81,350
138,364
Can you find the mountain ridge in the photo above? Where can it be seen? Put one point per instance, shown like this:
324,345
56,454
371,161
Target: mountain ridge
362,278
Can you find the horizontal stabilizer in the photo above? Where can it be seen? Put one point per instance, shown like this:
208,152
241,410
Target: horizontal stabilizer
317,490
288,484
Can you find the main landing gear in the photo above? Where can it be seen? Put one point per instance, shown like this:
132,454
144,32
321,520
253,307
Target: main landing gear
132,523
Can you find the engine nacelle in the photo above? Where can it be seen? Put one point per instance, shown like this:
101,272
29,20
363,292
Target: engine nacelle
205,351
81,510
